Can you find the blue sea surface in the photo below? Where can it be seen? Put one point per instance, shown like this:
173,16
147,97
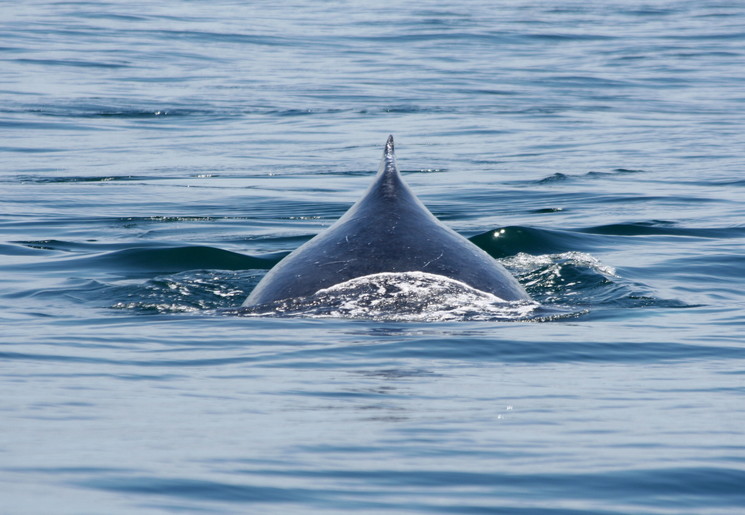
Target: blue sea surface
157,158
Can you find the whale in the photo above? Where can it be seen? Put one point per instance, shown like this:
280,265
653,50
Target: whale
388,230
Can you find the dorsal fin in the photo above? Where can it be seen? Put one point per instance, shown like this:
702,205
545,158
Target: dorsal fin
389,146
389,181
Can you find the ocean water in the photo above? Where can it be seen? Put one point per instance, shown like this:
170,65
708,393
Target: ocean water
156,159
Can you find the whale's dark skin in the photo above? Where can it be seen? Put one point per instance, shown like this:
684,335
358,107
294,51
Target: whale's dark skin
387,230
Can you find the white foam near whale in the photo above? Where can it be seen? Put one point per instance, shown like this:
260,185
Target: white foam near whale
401,296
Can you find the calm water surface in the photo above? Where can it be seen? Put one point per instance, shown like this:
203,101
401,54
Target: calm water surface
157,159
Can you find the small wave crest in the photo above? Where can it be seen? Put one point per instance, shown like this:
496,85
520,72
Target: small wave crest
577,280
402,296
194,292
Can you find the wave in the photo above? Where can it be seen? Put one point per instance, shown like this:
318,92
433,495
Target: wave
178,259
563,177
577,280
151,260
78,63
661,227
187,292
76,178
512,240
399,489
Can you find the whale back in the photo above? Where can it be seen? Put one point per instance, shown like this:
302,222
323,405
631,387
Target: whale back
387,230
